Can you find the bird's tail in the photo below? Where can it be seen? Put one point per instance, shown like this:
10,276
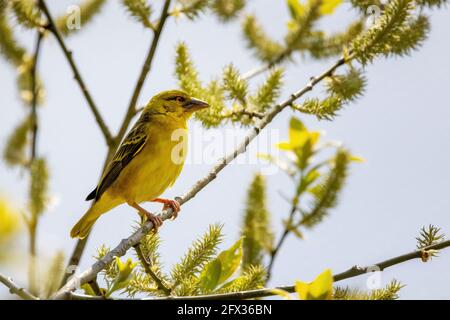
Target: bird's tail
82,228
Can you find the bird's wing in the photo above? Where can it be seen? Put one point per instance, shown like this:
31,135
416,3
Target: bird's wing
130,147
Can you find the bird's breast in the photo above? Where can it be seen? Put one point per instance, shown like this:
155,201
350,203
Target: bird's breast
156,167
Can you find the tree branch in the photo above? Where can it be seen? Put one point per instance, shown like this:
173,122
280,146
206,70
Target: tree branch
33,221
149,271
15,289
280,242
51,26
266,292
136,237
243,112
131,111
258,70
350,273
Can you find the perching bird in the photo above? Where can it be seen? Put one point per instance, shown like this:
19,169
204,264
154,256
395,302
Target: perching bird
147,162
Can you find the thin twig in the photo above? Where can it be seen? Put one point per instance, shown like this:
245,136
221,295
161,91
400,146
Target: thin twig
33,221
131,111
149,271
258,70
96,288
287,229
250,114
136,237
15,289
280,242
51,26
35,95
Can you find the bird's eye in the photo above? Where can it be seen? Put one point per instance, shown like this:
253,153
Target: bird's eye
179,99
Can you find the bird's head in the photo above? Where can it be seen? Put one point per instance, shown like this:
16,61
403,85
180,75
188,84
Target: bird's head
175,103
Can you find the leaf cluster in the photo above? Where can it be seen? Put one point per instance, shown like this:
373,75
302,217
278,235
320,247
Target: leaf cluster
200,271
232,89
389,292
256,226
318,182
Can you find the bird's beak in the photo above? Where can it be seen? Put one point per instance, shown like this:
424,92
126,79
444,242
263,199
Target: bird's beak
195,104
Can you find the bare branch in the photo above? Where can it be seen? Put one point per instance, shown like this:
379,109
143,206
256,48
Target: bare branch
150,272
15,289
33,221
68,54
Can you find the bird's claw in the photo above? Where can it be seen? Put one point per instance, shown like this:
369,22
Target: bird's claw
175,206
172,204
156,220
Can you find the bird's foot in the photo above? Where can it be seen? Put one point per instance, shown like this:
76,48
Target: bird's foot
155,220
169,203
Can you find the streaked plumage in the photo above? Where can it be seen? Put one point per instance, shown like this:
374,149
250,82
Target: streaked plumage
143,166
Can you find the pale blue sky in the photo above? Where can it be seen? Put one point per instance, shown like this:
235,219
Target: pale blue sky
401,126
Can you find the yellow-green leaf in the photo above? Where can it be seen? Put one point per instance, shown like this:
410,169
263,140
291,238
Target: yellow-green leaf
222,267
310,177
329,6
296,9
285,146
9,220
357,159
209,278
314,136
296,128
88,289
125,269
123,276
320,289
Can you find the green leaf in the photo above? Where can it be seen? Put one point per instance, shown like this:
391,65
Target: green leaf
221,268
285,146
123,277
88,289
296,127
253,277
298,135
309,179
329,6
296,9
209,278
357,159
320,289
10,221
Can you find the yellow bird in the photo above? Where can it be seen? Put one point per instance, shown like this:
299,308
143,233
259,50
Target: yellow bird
148,161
